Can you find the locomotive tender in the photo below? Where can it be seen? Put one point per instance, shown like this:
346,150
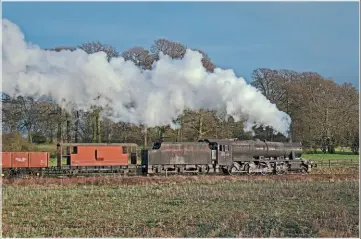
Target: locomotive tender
202,157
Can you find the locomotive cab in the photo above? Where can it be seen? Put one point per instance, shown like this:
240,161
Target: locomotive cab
221,151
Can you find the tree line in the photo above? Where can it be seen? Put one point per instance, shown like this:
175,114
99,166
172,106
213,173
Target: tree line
322,111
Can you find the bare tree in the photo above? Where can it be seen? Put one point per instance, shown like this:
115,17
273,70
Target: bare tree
96,46
139,56
274,85
199,124
24,113
206,61
271,83
62,48
177,50
173,49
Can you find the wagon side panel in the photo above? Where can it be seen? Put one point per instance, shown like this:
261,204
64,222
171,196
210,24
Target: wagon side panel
38,159
6,159
20,159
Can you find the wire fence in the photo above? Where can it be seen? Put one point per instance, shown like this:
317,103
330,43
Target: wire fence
337,163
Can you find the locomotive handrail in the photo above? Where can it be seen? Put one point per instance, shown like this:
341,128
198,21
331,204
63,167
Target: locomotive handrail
98,144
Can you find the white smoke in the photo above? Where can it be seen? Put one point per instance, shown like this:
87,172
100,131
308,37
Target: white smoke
157,96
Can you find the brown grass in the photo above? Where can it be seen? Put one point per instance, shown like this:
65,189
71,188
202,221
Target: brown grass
335,170
180,206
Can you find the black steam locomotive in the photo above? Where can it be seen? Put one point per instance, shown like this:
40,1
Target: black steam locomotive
227,156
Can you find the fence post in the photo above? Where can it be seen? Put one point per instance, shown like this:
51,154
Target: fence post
329,163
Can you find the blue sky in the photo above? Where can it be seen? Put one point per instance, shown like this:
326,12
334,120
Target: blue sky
243,36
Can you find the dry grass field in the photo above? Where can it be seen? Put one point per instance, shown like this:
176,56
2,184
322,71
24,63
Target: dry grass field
200,206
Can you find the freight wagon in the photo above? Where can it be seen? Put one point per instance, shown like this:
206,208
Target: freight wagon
73,158
17,163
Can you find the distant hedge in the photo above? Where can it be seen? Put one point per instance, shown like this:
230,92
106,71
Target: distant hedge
14,142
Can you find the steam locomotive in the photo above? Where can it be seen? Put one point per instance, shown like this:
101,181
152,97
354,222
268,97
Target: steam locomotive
208,156
227,156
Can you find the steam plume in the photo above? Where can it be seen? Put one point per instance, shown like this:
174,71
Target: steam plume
151,97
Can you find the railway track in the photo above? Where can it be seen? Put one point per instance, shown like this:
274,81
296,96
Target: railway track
129,171
130,175
117,181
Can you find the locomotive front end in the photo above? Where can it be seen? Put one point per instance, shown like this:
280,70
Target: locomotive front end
295,149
